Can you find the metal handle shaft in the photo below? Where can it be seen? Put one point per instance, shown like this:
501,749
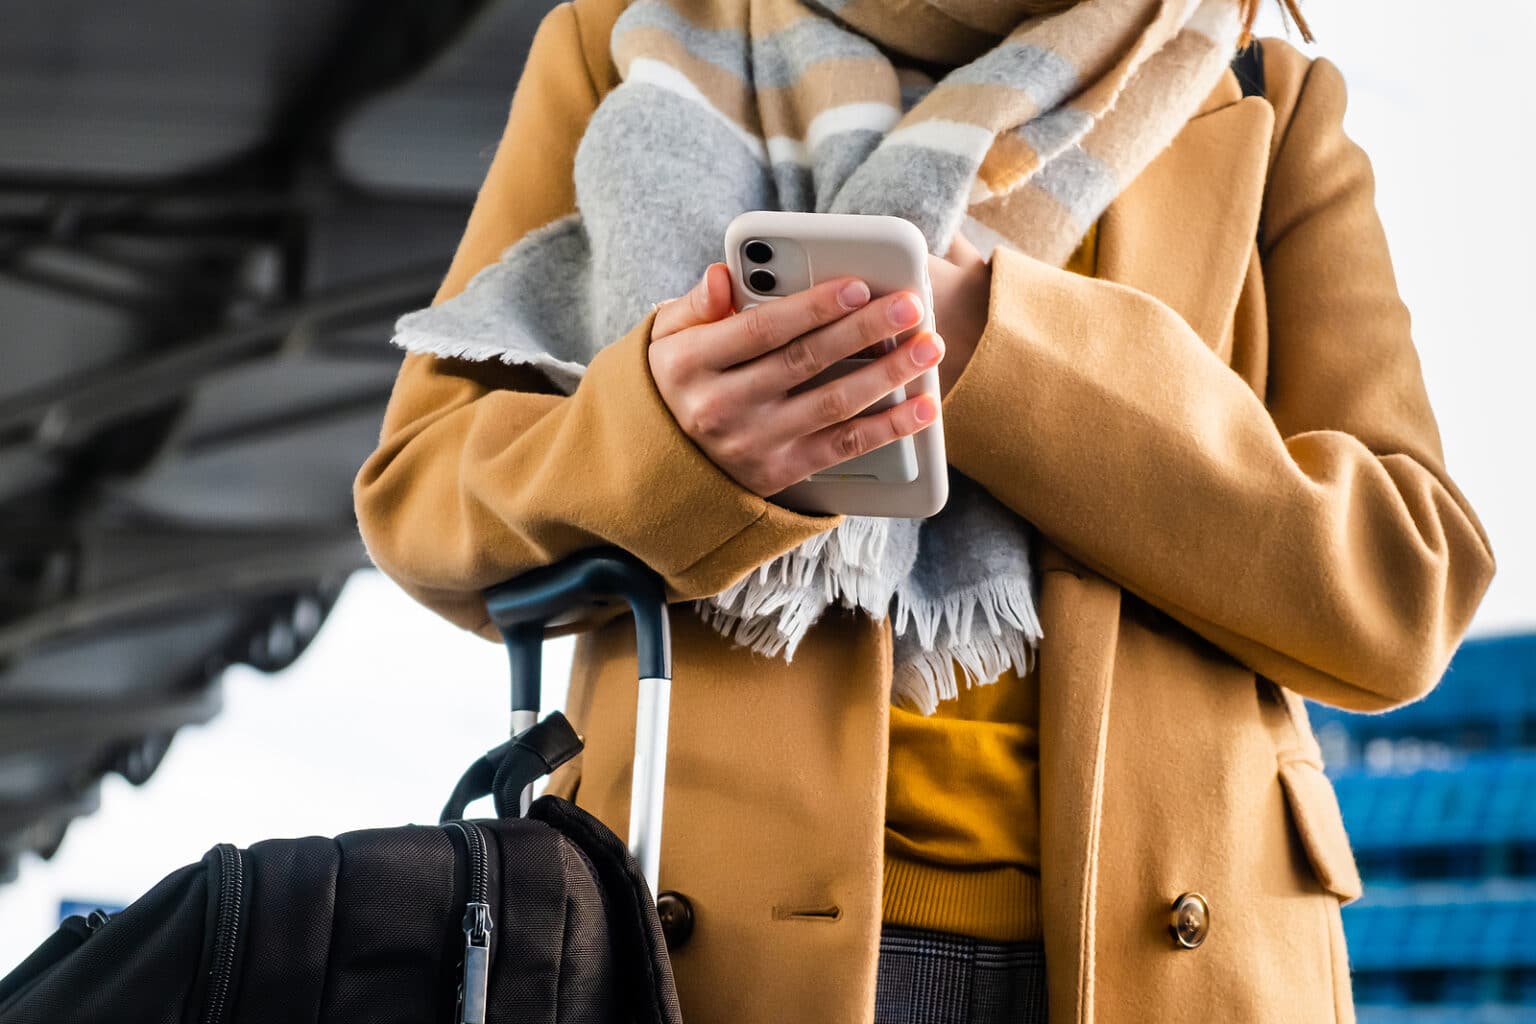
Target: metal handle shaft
647,791
560,594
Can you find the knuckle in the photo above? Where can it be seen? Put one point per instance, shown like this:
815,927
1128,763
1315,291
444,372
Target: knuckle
759,329
799,358
708,416
832,405
849,441
730,449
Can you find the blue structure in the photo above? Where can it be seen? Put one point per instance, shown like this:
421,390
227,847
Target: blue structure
84,908
1440,801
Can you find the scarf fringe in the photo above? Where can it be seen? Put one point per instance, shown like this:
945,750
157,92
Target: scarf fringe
772,608
859,543
839,564
850,570
1007,602
1013,630
927,677
921,678
454,348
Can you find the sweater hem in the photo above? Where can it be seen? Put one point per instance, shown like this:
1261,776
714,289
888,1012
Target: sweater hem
995,904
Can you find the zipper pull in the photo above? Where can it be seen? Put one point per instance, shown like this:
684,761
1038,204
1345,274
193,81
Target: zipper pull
477,963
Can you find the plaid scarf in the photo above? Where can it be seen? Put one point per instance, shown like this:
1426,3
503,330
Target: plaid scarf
733,105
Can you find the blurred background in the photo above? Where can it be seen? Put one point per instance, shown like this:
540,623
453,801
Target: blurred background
210,215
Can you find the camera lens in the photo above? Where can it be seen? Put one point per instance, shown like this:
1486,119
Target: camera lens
759,251
762,281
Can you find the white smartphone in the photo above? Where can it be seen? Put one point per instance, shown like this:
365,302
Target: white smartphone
774,253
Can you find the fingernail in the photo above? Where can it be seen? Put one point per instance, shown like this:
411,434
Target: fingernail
924,411
853,295
927,351
906,310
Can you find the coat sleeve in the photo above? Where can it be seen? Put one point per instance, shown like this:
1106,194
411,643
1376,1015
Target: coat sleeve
1313,535
480,473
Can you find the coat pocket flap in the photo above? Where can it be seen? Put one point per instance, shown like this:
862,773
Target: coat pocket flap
1315,808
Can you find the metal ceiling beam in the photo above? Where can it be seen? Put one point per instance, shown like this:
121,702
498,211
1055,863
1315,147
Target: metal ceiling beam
282,564
70,416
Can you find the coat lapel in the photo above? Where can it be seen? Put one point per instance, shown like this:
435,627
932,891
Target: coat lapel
1183,231
1080,614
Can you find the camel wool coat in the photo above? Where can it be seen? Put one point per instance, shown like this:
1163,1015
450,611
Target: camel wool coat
1225,442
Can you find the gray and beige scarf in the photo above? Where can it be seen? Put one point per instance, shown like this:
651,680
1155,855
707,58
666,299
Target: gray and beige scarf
733,105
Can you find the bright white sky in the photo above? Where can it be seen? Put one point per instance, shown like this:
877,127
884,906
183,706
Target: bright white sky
373,726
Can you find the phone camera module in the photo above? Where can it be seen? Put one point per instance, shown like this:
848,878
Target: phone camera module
758,251
762,281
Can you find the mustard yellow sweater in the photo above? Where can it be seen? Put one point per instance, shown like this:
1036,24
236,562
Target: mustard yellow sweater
962,819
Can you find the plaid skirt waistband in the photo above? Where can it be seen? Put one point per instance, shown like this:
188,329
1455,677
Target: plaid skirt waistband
927,977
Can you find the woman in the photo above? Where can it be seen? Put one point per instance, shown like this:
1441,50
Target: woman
1196,387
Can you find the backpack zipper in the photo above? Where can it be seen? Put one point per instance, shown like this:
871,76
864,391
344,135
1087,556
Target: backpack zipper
226,931
477,928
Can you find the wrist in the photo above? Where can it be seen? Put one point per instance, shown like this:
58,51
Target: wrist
963,335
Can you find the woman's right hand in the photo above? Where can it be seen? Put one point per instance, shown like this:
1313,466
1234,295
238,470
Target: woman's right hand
726,376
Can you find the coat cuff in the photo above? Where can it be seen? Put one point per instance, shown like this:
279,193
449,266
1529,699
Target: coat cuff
996,377
697,526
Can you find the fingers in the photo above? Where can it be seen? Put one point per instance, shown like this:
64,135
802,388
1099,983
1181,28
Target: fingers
730,380
804,357
837,400
707,302
761,329
843,441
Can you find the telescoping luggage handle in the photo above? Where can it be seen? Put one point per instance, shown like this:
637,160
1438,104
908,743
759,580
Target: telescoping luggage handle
524,608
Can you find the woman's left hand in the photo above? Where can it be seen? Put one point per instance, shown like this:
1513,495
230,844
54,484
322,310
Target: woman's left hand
962,287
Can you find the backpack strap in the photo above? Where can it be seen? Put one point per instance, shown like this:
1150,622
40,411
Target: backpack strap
505,771
1248,66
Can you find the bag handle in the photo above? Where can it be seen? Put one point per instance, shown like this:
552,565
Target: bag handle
559,596
507,771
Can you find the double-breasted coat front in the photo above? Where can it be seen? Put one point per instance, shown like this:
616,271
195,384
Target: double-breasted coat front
1225,443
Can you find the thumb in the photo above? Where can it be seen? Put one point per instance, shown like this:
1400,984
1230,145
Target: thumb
705,303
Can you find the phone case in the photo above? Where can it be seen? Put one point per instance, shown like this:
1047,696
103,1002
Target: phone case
906,478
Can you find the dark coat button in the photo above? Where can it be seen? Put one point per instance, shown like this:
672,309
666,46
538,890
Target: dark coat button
676,915
1190,920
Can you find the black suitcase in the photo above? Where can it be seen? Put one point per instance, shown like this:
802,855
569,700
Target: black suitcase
538,915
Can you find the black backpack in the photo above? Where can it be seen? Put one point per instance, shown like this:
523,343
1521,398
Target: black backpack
545,917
